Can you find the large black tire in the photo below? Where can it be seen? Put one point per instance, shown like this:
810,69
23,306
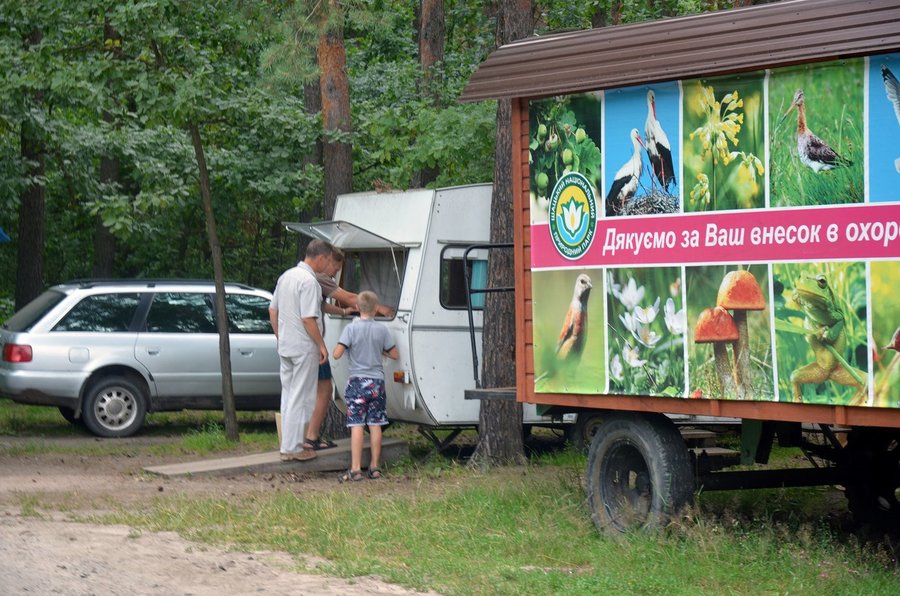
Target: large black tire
638,473
580,434
873,468
114,406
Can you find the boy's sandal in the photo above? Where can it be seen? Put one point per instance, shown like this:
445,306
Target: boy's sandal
318,444
374,474
351,476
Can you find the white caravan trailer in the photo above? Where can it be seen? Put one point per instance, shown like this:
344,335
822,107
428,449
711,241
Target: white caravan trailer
408,247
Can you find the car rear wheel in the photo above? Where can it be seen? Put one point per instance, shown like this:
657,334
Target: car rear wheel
114,407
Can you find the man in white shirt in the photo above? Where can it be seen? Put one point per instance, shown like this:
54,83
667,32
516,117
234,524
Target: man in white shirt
296,317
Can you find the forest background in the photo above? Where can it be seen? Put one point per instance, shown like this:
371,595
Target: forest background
109,109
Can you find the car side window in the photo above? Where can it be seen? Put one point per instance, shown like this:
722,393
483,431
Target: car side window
247,313
180,312
101,313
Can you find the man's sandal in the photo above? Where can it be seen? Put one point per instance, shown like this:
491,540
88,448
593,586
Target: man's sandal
374,474
318,444
351,476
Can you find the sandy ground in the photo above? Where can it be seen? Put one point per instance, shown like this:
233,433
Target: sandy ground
51,554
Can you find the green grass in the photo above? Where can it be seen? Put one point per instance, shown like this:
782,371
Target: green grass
527,529
194,432
436,524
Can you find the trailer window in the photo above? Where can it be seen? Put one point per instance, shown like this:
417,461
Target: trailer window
453,277
380,271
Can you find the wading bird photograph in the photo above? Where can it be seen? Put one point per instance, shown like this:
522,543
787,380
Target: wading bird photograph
816,134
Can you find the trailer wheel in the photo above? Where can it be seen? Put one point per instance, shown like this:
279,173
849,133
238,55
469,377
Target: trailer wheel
581,433
873,465
638,473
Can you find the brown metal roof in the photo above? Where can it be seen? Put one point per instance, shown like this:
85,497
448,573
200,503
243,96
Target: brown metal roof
709,44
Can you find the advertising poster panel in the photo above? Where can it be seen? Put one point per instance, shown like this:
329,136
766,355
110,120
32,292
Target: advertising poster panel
726,238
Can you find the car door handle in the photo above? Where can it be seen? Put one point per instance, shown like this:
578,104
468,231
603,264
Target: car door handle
246,352
153,351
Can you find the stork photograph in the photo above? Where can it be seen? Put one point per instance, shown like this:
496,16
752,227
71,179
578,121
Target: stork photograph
642,166
816,134
568,331
724,144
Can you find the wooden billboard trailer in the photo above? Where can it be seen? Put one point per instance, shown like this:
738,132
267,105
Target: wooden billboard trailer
760,50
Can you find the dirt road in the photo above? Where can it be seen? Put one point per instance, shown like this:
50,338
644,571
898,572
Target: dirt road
49,554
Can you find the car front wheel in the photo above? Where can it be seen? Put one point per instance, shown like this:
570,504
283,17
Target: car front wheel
114,407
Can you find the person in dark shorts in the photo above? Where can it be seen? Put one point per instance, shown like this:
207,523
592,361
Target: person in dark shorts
365,341
344,304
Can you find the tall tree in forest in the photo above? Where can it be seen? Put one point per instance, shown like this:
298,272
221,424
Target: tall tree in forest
337,152
431,55
110,169
500,421
30,266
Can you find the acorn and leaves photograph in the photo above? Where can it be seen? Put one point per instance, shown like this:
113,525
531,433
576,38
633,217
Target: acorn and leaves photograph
730,341
564,136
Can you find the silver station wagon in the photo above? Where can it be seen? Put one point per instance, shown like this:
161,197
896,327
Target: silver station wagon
108,352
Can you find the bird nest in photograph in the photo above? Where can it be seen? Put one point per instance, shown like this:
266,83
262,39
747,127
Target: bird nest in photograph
654,202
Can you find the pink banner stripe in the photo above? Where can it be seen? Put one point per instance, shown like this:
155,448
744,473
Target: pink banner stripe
841,233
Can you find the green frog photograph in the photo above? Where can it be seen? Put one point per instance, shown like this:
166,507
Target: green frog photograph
820,333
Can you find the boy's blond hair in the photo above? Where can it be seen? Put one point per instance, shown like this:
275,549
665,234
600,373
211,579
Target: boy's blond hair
367,302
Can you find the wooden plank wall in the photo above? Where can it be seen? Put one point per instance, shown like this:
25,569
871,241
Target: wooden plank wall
521,178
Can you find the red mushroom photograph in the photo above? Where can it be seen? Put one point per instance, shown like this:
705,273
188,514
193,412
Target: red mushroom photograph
730,344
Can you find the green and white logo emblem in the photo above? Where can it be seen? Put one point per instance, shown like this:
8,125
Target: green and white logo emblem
573,215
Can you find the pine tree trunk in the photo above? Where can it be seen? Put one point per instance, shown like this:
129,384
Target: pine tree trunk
337,157
431,55
500,421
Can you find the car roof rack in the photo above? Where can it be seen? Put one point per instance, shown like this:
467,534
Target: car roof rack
149,282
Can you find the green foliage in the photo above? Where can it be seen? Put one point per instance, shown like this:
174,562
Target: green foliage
562,141
238,70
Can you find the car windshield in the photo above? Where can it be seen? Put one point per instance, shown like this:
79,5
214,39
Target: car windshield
32,312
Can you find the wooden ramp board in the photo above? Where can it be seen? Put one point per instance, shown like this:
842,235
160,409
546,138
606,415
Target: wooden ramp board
328,460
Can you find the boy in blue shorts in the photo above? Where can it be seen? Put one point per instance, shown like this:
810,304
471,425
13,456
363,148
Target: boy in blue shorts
365,340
